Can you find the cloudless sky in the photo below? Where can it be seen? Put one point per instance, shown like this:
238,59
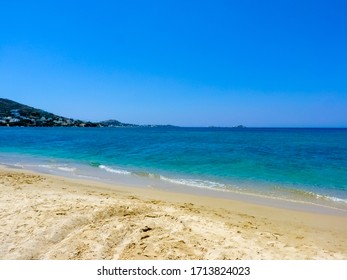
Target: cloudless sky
190,63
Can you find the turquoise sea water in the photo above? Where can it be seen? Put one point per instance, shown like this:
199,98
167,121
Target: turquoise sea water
308,165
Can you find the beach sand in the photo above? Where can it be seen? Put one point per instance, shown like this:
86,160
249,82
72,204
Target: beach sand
48,217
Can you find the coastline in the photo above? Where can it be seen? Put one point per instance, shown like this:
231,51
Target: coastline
49,217
276,167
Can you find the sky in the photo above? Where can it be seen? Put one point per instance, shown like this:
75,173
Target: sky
189,63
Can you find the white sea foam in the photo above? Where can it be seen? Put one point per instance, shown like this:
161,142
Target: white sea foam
194,183
326,197
49,166
88,177
34,165
336,199
112,170
68,169
44,166
310,194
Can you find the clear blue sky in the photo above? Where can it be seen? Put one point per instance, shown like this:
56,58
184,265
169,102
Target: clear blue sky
191,63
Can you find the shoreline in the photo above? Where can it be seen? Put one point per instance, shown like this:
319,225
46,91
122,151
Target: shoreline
49,217
280,168
138,182
300,201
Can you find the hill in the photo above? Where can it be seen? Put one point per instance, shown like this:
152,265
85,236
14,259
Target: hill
8,108
16,114
115,123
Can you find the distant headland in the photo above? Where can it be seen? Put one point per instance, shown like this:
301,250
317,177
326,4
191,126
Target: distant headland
14,114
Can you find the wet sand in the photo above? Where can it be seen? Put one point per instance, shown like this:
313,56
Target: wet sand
49,217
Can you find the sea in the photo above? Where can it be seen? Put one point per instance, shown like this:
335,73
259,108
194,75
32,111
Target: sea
301,166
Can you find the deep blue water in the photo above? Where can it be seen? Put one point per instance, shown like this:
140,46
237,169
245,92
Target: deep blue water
276,162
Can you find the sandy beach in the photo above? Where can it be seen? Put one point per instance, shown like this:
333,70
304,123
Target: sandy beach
48,217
